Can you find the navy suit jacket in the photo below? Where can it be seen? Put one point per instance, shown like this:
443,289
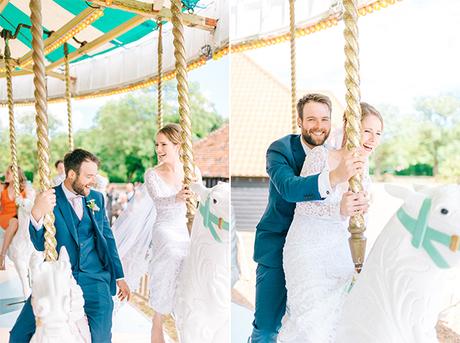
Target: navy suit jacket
285,158
66,235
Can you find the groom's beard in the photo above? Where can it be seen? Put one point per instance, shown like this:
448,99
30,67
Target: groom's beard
79,188
313,140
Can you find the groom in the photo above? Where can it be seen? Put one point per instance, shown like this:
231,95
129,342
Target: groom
285,158
82,227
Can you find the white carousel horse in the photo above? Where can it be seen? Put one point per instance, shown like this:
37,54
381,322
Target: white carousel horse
203,294
21,248
404,284
57,302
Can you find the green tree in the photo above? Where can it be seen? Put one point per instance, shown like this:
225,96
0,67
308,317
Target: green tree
439,115
122,135
397,149
427,136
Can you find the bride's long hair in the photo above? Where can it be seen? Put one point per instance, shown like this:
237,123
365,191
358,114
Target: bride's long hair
173,132
366,110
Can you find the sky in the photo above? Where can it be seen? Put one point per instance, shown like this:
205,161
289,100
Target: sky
407,50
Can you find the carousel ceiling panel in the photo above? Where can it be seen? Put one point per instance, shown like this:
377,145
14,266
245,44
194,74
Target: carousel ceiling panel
56,13
126,57
54,22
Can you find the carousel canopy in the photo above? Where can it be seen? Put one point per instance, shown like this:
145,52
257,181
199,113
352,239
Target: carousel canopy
115,41
259,23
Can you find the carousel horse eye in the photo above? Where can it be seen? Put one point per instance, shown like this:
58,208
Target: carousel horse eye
214,201
444,210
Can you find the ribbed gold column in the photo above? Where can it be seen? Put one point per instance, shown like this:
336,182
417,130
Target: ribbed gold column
41,119
184,109
357,227
293,65
160,75
9,91
68,96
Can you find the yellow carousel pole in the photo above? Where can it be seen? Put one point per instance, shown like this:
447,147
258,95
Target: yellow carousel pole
41,119
293,65
68,96
357,226
184,109
160,71
9,90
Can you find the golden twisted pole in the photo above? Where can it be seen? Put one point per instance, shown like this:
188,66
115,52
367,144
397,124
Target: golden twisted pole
357,227
9,91
184,109
293,65
160,71
68,96
41,119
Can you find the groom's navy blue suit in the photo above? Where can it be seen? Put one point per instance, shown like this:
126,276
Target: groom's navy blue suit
285,158
95,264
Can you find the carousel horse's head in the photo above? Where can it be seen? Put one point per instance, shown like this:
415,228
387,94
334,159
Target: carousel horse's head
51,289
432,217
214,207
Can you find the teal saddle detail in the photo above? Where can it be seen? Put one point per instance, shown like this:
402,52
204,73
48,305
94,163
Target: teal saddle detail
210,221
423,235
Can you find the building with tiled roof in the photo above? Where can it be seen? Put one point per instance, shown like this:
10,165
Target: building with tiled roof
211,155
260,114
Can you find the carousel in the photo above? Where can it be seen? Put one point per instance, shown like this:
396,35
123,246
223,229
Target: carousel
64,51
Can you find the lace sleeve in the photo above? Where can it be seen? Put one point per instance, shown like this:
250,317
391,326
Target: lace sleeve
316,162
151,181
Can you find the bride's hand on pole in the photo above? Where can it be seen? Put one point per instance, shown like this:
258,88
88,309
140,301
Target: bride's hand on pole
354,203
351,164
184,194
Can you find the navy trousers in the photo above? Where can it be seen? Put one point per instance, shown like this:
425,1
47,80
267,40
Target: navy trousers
270,304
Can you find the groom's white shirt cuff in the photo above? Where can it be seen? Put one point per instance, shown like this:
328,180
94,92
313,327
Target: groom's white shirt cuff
37,225
324,185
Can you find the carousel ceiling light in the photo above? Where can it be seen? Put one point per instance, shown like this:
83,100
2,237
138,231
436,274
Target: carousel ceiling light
308,29
80,27
58,38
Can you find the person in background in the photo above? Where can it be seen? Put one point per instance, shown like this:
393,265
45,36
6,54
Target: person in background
60,177
110,199
9,223
130,191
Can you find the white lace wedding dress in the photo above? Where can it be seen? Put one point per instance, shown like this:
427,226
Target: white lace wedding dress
317,263
170,242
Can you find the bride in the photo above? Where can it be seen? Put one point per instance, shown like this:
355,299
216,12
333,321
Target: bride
152,234
316,258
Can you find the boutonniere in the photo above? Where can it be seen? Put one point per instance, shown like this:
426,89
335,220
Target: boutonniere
91,204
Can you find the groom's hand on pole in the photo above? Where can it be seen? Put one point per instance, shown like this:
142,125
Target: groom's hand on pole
353,204
44,203
123,290
351,164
